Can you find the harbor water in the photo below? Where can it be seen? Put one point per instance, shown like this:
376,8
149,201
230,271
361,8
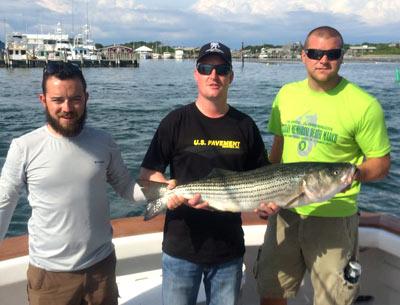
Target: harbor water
129,104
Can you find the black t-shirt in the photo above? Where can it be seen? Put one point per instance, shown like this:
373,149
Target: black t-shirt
192,145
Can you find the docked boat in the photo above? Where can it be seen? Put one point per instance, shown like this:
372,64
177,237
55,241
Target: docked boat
156,54
263,54
57,46
84,47
16,47
166,55
138,249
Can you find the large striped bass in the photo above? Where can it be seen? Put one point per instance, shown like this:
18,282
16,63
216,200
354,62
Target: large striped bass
288,185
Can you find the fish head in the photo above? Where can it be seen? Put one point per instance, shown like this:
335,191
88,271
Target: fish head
326,180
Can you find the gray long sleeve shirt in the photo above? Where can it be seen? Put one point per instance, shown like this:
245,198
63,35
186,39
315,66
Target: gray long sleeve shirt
66,181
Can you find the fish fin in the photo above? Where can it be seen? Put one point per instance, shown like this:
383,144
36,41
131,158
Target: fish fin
154,208
293,200
152,190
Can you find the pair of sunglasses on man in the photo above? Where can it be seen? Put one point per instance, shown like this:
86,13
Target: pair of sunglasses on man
316,54
206,69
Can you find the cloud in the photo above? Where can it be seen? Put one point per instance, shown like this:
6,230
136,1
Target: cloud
58,6
373,12
119,4
192,22
141,23
67,6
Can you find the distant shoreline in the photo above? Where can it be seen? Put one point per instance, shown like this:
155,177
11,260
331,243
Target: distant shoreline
366,58
236,57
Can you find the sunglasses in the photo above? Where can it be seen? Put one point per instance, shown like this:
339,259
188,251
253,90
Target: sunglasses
56,67
206,69
316,54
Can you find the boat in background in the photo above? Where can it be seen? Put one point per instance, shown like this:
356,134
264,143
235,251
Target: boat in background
84,47
156,54
138,249
263,54
57,46
166,55
16,47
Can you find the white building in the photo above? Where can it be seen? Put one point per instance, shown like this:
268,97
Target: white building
360,50
144,52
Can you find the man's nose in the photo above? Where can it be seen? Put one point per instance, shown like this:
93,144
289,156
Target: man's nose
213,73
67,106
324,59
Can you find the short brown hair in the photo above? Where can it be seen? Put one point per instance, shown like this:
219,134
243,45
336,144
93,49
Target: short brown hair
326,32
63,71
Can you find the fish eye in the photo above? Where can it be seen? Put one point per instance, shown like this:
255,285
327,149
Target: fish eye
336,172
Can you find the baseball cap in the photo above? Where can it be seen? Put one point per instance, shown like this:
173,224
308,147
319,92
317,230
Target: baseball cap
215,48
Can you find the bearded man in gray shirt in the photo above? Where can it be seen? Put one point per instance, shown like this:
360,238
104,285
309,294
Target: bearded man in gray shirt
65,167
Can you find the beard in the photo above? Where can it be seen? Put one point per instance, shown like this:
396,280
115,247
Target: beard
71,130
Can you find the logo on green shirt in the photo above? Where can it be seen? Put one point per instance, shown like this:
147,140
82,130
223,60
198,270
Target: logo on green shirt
309,133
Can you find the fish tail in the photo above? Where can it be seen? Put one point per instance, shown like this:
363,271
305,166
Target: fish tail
154,192
154,208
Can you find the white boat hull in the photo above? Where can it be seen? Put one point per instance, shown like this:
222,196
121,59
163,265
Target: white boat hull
139,263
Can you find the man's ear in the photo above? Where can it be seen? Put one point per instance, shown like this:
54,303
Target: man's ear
42,99
231,77
195,74
303,56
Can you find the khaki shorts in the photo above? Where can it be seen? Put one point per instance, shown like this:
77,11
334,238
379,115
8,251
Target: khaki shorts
95,285
295,243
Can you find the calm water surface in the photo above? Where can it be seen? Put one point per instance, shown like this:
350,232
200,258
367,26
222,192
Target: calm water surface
129,103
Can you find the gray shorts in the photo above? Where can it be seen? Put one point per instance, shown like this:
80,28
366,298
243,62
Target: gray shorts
295,243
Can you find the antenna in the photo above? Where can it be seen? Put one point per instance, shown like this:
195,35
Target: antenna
26,23
5,29
72,17
87,11
87,32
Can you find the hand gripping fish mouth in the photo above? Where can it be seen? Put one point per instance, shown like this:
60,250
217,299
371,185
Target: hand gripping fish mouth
287,185
347,181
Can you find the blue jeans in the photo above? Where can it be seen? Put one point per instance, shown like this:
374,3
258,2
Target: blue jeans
181,281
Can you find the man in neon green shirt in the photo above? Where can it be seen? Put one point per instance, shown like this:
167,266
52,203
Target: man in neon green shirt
324,118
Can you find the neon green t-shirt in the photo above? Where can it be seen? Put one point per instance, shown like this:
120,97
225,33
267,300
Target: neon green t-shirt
344,124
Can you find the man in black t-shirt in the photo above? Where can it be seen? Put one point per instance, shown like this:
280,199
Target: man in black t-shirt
193,140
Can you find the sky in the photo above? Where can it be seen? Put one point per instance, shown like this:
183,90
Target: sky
195,22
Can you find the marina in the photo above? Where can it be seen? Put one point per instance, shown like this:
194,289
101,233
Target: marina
23,50
30,50
115,63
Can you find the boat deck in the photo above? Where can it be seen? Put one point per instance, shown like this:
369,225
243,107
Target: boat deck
138,248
